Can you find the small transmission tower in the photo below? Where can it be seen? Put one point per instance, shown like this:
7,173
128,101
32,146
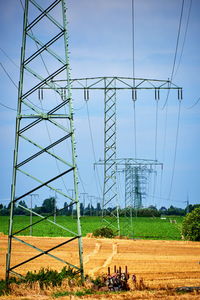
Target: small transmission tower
45,151
110,87
137,174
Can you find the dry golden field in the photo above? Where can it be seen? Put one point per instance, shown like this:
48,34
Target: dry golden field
161,264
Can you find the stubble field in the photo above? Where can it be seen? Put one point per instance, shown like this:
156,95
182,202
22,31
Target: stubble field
161,264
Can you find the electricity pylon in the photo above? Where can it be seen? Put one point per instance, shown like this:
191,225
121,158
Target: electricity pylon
110,86
137,174
43,124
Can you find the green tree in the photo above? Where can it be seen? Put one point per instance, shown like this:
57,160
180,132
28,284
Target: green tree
191,225
191,207
48,205
19,210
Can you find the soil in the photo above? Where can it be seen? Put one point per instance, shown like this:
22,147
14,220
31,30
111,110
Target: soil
161,265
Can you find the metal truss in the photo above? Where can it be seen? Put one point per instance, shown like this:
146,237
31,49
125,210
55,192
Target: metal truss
137,173
129,198
136,179
110,206
45,151
110,86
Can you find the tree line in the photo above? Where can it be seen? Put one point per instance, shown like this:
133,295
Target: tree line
48,207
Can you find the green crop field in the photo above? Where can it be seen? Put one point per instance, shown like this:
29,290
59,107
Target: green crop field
144,228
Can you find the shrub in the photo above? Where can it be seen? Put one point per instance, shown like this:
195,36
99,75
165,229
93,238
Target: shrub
47,277
191,225
104,232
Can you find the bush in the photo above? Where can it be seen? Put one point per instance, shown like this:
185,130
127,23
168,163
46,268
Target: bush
104,232
191,225
47,277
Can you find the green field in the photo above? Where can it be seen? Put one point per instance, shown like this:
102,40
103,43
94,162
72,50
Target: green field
144,228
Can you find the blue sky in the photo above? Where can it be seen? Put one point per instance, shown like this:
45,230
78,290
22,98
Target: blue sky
100,41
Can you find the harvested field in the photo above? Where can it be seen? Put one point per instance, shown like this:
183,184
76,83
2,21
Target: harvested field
161,264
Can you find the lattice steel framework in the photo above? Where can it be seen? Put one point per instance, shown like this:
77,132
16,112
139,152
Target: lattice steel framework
45,152
110,85
137,174
136,179
129,198
110,206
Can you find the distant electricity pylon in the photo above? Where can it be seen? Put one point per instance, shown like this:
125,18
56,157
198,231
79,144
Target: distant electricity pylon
110,86
43,124
137,175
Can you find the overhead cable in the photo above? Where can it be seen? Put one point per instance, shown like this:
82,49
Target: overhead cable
133,72
175,150
194,104
4,52
17,87
8,107
9,76
93,150
184,39
175,54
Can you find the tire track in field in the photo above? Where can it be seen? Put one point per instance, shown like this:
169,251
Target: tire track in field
108,260
93,253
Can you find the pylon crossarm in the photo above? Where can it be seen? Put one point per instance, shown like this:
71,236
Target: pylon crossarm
131,161
121,83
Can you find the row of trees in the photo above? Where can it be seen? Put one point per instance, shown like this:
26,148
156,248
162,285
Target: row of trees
49,207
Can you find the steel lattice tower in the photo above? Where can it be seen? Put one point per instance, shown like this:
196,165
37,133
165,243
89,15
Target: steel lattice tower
45,151
110,206
110,86
137,173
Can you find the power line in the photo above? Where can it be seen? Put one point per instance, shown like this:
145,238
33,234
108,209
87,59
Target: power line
9,57
155,149
167,199
175,150
166,101
194,104
135,128
133,72
177,42
17,87
156,131
8,107
133,40
184,39
93,150
175,54
9,76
